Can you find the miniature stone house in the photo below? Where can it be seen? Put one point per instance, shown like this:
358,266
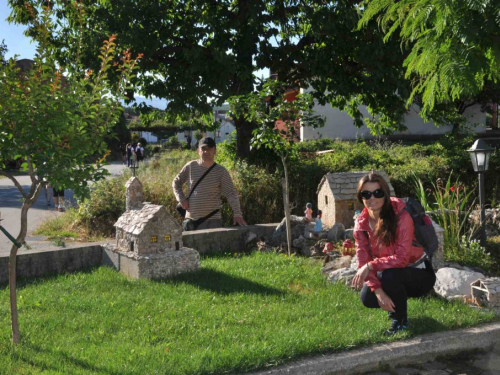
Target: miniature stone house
337,197
486,292
151,230
149,240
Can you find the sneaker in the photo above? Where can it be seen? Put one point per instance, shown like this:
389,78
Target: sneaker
396,326
60,209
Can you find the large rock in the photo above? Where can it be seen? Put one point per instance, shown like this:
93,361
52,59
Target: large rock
454,283
336,233
309,232
342,262
349,234
343,275
297,224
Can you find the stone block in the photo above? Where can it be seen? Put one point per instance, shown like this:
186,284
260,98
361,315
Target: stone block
158,266
341,262
344,275
454,283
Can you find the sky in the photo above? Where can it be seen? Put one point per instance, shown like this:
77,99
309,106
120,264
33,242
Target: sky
18,44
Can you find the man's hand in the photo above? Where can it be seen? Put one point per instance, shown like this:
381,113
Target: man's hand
360,277
239,221
185,204
384,301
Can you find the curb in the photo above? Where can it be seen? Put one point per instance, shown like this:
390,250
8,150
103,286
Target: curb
422,348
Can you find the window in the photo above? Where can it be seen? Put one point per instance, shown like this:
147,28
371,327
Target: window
154,239
167,237
326,200
217,134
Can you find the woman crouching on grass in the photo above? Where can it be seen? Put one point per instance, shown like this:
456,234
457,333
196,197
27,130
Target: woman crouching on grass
386,248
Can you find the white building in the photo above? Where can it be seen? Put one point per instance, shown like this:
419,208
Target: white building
340,125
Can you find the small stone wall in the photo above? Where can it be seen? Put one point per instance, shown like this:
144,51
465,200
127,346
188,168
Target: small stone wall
42,263
61,260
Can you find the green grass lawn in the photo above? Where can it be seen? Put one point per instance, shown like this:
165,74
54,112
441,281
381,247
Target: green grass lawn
236,314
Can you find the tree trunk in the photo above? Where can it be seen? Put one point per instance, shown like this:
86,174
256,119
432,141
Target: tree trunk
16,335
286,201
244,135
245,48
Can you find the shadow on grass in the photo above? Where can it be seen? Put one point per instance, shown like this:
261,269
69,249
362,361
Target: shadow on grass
221,283
419,326
23,282
58,357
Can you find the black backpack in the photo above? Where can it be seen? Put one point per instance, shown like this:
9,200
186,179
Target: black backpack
424,230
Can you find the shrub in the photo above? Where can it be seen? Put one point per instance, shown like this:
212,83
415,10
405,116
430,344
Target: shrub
259,185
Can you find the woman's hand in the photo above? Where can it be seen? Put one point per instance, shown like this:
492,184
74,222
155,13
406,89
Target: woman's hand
360,277
384,301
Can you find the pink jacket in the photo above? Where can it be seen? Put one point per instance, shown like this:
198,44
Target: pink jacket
402,252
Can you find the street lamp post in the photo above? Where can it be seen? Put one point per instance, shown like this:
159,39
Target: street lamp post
480,156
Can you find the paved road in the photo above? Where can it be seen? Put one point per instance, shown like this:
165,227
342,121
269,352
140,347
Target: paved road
10,208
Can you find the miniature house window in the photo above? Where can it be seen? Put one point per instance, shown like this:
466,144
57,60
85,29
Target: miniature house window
167,237
154,239
351,206
326,200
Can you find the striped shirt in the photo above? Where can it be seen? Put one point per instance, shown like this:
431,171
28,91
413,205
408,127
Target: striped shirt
207,196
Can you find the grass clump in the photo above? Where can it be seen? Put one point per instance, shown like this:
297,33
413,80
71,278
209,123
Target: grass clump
236,314
61,226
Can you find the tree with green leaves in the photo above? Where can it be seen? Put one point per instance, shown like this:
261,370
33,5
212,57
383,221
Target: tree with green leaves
453,48
200,53
278,120
57,123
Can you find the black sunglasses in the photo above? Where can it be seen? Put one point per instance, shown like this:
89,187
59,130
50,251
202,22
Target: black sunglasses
366,194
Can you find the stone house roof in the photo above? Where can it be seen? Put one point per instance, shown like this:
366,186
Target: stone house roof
344,185
135,221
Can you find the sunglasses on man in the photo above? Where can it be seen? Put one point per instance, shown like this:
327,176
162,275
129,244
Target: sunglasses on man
367,194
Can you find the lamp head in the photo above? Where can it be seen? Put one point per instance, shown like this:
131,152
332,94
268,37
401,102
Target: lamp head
480,155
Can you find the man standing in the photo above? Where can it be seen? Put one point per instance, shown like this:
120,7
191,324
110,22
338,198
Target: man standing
207,196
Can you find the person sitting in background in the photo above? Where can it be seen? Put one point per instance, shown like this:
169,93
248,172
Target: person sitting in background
386,249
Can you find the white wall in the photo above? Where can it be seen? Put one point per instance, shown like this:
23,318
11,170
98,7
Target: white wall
149,137
340,125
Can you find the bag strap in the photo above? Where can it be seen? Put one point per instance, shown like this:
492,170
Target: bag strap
202,219
201,178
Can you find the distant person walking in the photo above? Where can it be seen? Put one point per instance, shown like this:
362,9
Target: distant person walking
59,199
49,193
139,151
130,151
123,150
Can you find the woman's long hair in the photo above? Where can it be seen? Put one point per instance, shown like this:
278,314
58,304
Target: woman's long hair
385,230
